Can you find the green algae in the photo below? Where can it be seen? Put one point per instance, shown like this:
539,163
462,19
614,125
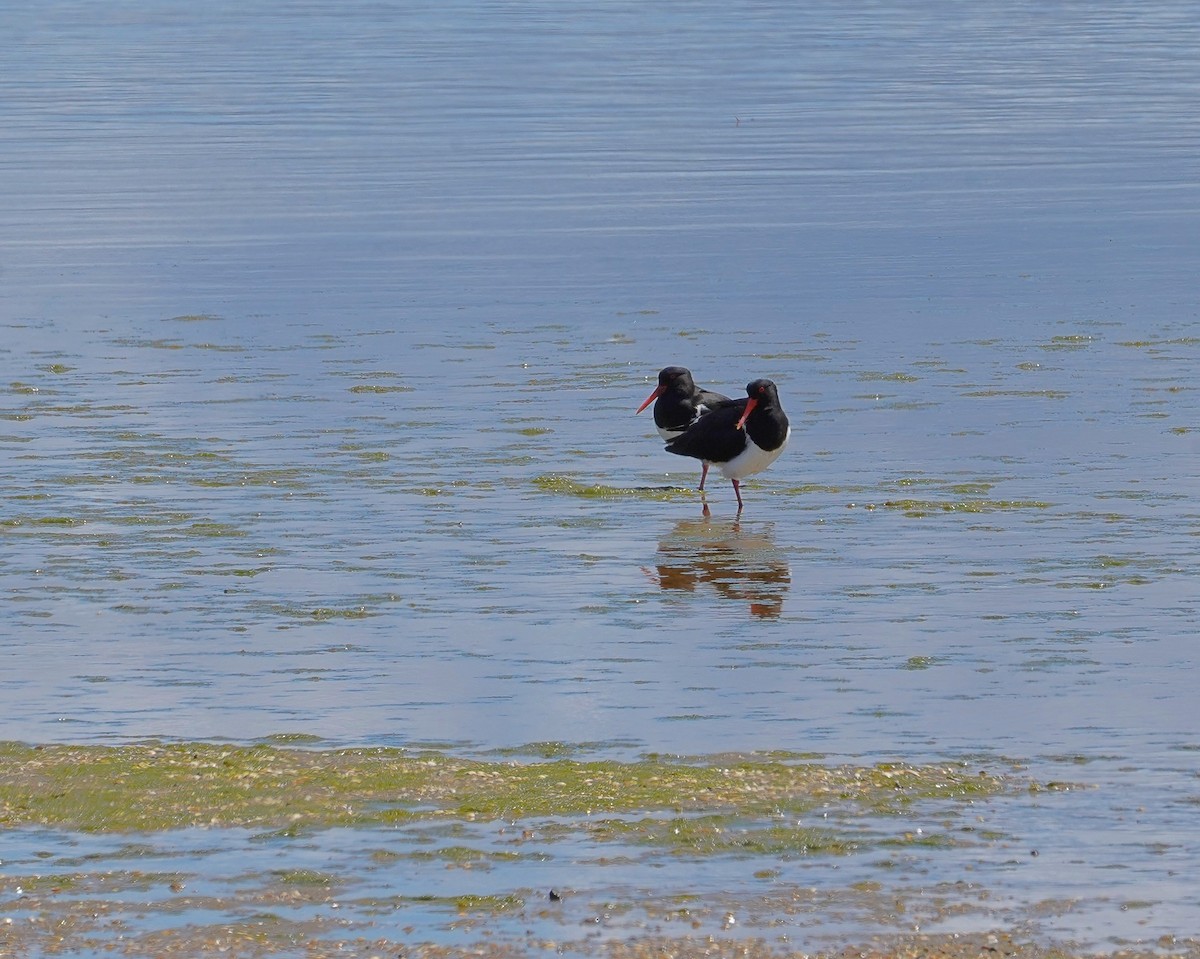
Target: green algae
468,903
57,521
566,486
547,750
1021,394
919,507
970,489
158,786
250,571
1176,341
215,529
380,388
1074,341
320,614
877,377
461,854
306,877
721,834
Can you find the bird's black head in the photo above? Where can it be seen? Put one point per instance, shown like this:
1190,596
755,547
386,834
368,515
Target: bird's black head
762,390
671,375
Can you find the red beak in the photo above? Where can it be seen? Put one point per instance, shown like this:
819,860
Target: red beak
651,398
750,404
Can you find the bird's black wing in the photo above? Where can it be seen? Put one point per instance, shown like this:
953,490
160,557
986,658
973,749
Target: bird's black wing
713,437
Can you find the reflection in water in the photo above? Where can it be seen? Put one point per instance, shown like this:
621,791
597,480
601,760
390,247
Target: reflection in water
741,564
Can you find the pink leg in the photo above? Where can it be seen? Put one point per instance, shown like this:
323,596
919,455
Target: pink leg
738,493
703,474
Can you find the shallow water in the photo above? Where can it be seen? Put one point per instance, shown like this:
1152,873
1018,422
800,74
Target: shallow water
315,326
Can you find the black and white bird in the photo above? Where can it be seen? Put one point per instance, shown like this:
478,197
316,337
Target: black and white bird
740,437
679,403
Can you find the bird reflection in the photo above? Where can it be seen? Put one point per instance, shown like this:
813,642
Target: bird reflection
739,563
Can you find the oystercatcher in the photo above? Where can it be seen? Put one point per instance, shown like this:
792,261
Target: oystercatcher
680,404
741,437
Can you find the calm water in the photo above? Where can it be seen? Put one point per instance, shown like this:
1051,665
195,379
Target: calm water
310,317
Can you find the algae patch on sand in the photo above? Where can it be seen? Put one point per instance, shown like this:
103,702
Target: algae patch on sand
566,486
158,786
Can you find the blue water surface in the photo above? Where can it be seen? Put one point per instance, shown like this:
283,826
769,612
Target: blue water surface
312,314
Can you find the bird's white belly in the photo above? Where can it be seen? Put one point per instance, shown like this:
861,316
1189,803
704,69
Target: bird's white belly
753,459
